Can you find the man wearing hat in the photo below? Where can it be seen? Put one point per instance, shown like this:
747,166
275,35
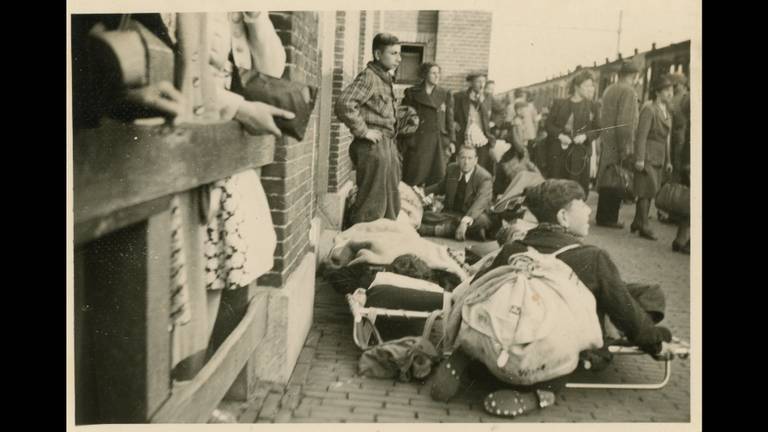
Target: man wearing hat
619,109
472,112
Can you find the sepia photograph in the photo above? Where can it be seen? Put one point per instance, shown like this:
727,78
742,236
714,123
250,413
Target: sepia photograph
396,212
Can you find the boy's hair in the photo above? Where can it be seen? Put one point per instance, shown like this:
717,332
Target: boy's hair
383,40
545,200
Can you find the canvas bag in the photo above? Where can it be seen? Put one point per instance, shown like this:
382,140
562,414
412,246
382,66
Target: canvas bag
528,320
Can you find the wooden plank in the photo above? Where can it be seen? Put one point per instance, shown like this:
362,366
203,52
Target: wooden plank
158,312
194,401
100,226
120,165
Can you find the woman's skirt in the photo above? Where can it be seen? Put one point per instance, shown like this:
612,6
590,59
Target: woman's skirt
648,182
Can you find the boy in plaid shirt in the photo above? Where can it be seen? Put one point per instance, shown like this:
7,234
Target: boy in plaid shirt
367,107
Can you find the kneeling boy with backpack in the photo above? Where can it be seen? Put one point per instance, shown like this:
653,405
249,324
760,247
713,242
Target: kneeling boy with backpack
541,302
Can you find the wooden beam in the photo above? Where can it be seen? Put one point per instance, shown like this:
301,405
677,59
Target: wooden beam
120,165
193,402
123,286
100,226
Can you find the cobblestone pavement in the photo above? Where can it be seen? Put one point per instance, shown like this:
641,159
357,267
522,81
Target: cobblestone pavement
325,386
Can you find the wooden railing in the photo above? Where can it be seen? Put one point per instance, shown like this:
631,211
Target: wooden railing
124,176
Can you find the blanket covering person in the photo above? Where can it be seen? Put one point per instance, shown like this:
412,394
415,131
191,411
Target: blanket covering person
383,240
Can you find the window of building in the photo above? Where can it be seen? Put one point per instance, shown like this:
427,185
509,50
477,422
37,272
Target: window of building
411,58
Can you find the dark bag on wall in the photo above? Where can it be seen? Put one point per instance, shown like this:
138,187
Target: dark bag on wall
674,198
291,96
618,179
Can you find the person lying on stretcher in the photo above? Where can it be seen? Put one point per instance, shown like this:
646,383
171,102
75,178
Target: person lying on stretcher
563,218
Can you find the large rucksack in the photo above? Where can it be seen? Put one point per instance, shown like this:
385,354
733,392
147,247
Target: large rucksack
529,319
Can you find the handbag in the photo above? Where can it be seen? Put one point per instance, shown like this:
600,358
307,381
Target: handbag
618,179
291,96
674,198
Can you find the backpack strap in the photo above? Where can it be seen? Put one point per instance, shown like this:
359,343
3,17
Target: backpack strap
430,323
565,249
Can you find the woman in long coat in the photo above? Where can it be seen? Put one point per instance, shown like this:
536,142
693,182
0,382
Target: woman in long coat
570,126
619,111
652,153
426,152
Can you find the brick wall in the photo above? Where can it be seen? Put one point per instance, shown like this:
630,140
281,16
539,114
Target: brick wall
413,27
288,181
362,41
346,66
463,45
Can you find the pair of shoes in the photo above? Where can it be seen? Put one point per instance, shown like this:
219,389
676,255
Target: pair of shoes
511,403
445,382
647,234
684,248
615,225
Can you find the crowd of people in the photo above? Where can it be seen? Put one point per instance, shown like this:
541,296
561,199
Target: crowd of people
484,166
463,141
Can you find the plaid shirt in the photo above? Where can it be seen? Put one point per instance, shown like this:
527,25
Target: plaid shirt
368,102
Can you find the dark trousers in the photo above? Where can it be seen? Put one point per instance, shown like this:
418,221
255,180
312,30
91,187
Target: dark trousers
570,164
484,158
378,177
446,223
608,206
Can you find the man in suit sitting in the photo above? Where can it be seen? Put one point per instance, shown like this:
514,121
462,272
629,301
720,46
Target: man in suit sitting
468,189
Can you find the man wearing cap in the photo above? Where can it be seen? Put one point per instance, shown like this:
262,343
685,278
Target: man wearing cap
367,107
472,112
619,108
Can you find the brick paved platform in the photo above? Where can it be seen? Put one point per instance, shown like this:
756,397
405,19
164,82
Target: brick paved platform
325,386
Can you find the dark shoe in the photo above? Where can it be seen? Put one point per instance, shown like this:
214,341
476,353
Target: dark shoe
634,228
445,383
684,248
511,403
615,225
647,234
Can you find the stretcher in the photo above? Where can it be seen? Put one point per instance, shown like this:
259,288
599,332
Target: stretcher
675,349
365,335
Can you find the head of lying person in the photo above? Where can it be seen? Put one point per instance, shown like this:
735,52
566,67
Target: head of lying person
412,266
560,202
512,162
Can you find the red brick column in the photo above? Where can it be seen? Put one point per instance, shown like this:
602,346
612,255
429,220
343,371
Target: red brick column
339,165
288,181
